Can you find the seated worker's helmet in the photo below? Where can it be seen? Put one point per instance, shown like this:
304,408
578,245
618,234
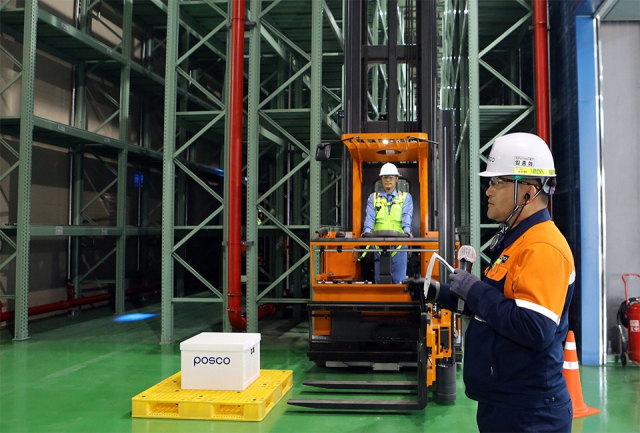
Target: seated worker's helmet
521,154
389,170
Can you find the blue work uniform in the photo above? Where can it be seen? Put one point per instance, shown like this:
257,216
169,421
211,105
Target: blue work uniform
399,259
513,357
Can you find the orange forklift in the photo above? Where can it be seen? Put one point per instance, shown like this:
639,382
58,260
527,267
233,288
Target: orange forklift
390,71
357,323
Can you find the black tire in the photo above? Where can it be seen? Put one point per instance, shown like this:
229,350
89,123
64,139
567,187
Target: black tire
624,358
616,339
621,317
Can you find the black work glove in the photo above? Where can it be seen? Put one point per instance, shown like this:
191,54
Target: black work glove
461,282
415,286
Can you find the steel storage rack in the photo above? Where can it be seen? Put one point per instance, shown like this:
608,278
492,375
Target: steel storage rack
288,97
294,93
106,151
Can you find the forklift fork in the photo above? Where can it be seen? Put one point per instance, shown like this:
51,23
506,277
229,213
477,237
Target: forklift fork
419,385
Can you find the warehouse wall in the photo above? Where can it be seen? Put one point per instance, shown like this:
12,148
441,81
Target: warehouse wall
621,158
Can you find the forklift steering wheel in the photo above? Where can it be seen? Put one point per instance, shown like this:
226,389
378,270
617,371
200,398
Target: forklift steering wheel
385,234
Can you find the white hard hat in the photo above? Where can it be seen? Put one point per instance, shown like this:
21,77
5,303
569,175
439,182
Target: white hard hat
389,170
520,154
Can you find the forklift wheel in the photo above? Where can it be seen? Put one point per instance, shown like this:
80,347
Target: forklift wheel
624,358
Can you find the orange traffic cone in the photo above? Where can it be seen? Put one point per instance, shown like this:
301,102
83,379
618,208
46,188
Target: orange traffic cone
572,376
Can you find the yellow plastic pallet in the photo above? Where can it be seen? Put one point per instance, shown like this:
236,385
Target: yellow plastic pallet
167,399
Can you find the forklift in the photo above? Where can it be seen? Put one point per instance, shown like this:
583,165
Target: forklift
355,322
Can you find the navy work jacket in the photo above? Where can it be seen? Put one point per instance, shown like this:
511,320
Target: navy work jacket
513,355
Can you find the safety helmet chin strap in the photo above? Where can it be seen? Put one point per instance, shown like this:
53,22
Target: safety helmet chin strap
505,227
516,205
521,206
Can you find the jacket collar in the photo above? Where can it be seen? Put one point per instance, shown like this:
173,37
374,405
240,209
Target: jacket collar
537,218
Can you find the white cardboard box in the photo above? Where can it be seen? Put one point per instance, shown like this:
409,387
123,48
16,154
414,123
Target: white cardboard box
220,361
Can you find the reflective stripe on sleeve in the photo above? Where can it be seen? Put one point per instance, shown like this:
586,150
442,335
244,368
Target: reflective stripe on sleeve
538,309
572,277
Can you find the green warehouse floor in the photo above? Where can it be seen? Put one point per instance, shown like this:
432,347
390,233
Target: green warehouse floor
78,374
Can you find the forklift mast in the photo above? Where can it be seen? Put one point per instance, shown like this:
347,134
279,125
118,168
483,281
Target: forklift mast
400,55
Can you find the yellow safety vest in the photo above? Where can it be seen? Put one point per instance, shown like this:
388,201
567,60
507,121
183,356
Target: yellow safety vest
385,219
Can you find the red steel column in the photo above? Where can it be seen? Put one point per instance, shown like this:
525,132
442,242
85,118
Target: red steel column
234,171
541,47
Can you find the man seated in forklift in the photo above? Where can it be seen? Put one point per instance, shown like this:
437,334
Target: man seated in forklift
390,210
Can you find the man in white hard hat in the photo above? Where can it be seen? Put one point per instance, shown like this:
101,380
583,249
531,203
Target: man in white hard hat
390,210
513,356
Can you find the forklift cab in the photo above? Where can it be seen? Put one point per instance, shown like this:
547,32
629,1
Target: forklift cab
409,152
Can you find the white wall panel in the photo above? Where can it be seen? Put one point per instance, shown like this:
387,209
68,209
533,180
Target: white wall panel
620,49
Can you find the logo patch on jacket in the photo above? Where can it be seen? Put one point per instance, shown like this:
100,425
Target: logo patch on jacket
500,261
